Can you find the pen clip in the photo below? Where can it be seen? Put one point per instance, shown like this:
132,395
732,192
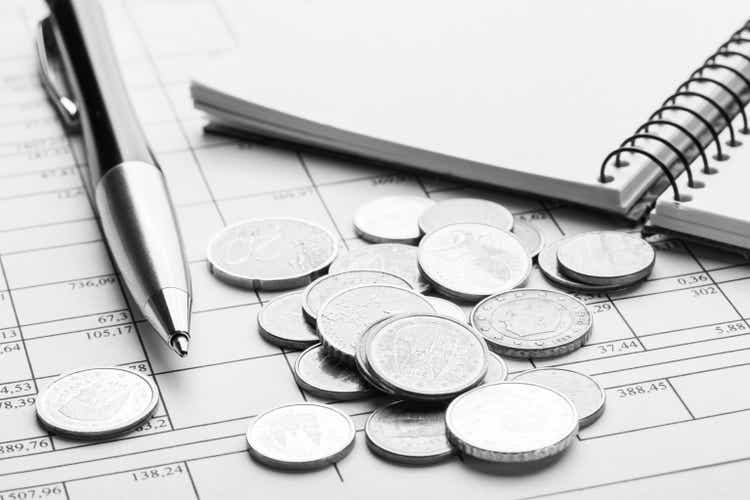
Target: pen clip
48,54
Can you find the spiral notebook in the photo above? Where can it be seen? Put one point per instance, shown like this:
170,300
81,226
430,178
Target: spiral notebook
708,201
574,100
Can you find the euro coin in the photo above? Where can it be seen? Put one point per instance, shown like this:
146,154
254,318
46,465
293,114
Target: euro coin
511,422
391,219
497,370
271,254
547,261
394,258
529,236
465,210
281,323
327,286
586,394
96,402
531,323
606,258
408,432
301,436
447,308
321,376
471,261
343,318
426,356
360,357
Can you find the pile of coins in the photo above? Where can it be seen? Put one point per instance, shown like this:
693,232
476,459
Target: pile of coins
368,328
365,326
389,339
597,261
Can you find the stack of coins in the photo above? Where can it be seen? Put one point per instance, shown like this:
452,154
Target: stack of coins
366,328
425,357
597,261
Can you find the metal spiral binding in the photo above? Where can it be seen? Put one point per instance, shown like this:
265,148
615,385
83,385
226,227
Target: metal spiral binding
739,37
719,156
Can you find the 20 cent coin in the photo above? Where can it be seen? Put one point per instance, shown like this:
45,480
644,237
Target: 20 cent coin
271,254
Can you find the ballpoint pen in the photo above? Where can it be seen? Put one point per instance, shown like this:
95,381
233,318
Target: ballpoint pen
127,187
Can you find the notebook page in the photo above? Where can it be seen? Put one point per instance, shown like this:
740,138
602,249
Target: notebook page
673,353
513,74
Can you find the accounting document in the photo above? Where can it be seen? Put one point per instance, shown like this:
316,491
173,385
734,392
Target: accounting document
673,354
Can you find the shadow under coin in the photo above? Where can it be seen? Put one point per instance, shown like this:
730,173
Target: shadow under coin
509,469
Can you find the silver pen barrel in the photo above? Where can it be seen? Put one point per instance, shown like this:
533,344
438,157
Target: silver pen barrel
141,230
129,189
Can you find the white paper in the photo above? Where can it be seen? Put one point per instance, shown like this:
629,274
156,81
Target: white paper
528,95
674,354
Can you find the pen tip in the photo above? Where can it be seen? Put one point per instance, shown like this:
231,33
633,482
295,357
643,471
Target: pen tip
180,342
